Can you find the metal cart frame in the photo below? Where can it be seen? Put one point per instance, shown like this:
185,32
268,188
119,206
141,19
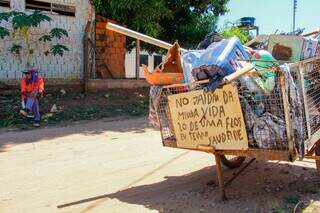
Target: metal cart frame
312,139
312,136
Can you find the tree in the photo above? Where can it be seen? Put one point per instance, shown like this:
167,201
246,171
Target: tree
21,34
183,20
231,30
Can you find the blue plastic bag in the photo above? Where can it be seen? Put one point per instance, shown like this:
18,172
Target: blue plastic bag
217,61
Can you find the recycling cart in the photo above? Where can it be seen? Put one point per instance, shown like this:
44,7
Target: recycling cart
269,114
245,118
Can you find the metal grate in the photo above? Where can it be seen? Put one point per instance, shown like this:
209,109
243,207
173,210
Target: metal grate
163,112
312,86
263,113
264,108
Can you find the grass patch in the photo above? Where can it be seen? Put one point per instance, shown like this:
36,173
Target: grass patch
277,209
76,107
291,200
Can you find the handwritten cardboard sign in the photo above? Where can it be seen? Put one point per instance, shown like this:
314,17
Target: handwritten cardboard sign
209,118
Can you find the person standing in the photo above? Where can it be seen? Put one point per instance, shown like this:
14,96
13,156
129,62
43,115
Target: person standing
32,88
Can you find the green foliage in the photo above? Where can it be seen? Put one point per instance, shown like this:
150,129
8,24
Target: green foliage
183,20
5,16
58,33
21,20
291,199
54,33
59,49
36,18
205,24
15,49
277,209
3,32
230,31
23,24
45,38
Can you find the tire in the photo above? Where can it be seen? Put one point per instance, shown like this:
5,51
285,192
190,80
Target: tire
232,163
318,154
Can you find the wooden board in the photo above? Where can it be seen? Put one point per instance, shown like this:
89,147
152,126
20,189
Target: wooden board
209,118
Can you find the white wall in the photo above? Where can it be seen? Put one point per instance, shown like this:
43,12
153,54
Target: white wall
130,65
70,66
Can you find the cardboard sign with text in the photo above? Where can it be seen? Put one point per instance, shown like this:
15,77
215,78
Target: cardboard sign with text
209,118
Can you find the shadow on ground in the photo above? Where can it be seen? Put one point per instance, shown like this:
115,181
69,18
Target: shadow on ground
264,187
121,124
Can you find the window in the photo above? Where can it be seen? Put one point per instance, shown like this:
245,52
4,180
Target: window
5,3
63,9
157,59
38,5
48,5
144,59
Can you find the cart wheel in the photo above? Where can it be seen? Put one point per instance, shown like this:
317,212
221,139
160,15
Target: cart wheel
318,154
231,161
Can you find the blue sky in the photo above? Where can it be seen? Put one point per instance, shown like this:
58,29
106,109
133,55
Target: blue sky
275,14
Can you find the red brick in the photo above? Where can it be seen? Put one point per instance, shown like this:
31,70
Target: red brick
118,65
103,72
110,39
101,50
117,51
115,44
100,62
101,19
123,43
101,37
100,56
116,39
113,56
110,33
110,57
101,25
100,43
111,50
120,45
111,21
100,31
109,43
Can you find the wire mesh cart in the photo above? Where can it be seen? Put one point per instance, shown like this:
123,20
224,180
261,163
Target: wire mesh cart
282,123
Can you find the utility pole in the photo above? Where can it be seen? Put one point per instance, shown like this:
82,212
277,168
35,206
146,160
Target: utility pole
294,15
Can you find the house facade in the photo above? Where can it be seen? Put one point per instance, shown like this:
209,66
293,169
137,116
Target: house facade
71,15
111,60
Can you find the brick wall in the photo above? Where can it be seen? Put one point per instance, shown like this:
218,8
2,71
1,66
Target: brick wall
111,51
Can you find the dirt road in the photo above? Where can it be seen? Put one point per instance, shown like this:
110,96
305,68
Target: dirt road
121,166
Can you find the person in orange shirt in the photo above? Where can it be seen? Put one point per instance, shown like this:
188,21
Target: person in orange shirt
32,88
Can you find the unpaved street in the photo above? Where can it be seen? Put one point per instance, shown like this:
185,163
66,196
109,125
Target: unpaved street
121,166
